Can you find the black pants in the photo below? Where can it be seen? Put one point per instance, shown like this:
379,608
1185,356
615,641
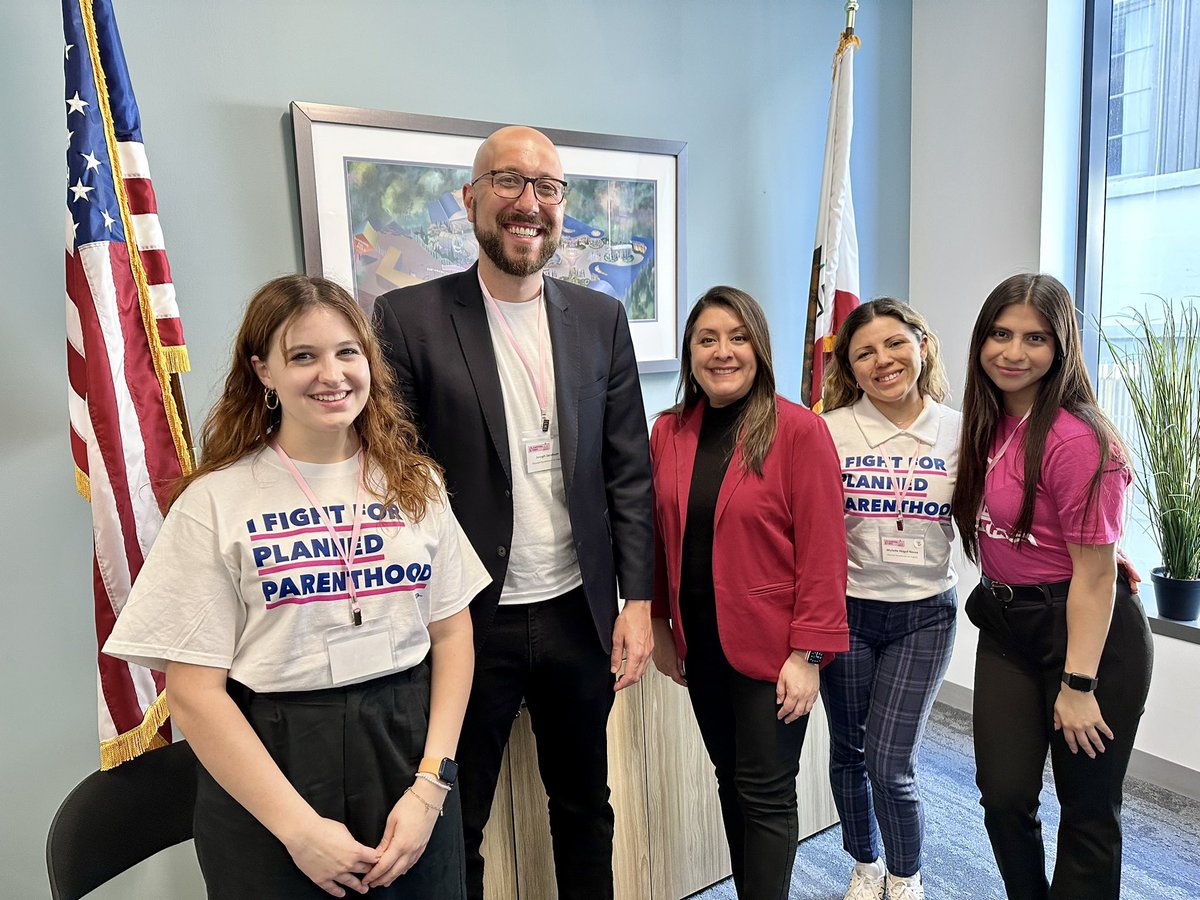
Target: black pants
1018,671
350,752
756,758
547,653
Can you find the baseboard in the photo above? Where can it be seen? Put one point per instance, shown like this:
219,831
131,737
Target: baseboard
955,695
1165,774
1146,766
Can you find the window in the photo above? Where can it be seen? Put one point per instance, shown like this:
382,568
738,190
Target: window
1154,87
1132,76
1140,216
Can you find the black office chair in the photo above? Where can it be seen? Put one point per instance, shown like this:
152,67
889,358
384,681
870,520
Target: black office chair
113,820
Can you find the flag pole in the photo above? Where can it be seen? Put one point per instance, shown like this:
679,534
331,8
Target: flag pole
833,289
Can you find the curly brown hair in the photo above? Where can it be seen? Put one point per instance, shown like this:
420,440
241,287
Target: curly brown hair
240,422
840,387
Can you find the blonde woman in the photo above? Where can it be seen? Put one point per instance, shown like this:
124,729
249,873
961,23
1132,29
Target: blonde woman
898,449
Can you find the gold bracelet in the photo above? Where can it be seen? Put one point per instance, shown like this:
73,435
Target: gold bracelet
425,803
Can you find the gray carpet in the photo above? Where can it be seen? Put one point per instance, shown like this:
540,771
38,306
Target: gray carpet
1162,834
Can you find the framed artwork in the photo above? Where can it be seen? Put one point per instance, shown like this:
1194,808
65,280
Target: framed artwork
381,208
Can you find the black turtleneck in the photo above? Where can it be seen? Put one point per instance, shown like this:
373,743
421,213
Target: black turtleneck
697,601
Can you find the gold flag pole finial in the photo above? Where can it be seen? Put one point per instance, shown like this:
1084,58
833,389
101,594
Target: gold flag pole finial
851,11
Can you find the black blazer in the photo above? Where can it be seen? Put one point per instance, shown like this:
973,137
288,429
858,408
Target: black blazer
437,339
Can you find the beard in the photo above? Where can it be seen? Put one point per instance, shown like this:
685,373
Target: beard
491,242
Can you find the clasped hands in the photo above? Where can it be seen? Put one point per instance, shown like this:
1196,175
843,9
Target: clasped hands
335,861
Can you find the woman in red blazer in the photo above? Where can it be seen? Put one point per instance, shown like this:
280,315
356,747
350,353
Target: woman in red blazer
751,574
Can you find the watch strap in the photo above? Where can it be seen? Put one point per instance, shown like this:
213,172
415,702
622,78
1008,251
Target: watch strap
443,768
1077,682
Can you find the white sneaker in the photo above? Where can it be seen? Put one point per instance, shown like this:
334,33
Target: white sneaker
905,888
864,883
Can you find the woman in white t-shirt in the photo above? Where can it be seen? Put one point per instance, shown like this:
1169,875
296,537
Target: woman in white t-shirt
898,448
307,598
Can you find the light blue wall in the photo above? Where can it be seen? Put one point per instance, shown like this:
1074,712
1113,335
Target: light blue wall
745,84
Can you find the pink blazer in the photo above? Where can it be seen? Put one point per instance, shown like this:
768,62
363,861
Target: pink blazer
779,541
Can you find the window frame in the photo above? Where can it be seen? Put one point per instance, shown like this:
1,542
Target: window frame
1093,172
1089,271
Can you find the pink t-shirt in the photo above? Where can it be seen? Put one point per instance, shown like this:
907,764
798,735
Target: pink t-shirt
1062,513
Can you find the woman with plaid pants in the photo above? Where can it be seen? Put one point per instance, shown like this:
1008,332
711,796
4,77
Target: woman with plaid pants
897,446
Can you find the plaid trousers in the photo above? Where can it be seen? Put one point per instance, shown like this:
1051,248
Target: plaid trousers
878,697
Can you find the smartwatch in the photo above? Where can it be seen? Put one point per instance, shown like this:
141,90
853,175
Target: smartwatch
1077,682
814,657
444,769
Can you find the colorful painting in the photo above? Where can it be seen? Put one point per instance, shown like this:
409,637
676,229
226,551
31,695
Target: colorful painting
410,226
381,208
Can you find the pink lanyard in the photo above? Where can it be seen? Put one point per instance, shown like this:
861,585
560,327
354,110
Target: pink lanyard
348,554
902,492
538,381
993,461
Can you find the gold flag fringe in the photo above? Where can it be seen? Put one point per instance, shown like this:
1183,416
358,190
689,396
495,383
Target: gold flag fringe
182,451
846,41
83,484
136,741
176,359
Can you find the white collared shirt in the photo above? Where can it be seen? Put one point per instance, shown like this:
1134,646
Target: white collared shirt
867,443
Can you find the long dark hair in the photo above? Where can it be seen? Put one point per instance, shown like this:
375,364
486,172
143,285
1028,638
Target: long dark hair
759,420
840,387
240,420
1064,386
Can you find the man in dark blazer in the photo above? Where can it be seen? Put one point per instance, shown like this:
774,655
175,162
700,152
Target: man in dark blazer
526,391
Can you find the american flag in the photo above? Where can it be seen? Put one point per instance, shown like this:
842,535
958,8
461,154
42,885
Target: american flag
129,434
833,289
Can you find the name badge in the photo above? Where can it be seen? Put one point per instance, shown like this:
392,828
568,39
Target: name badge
541,451
904,551
358,652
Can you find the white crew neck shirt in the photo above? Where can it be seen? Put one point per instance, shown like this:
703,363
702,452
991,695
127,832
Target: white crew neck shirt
542,563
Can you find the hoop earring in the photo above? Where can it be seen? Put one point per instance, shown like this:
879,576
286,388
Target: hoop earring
270,398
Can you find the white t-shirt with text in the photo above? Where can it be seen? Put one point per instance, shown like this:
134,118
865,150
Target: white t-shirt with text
876,458
243,576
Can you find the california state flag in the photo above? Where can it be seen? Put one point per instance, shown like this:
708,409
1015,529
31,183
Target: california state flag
833,288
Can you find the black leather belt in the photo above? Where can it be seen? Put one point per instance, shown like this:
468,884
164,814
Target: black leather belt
1026,593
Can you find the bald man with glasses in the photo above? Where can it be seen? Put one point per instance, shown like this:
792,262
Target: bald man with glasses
526,391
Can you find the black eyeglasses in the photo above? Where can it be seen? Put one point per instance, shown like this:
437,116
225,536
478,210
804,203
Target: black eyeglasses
511,185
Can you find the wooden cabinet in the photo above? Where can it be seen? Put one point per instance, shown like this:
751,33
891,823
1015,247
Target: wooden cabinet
669,840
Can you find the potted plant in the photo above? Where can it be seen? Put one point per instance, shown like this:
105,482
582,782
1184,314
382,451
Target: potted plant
1159,361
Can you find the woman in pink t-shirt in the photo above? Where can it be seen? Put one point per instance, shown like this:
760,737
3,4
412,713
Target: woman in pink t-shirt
1064,655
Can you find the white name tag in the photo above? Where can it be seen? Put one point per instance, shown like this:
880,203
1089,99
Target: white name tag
541,451
356,652
904,551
